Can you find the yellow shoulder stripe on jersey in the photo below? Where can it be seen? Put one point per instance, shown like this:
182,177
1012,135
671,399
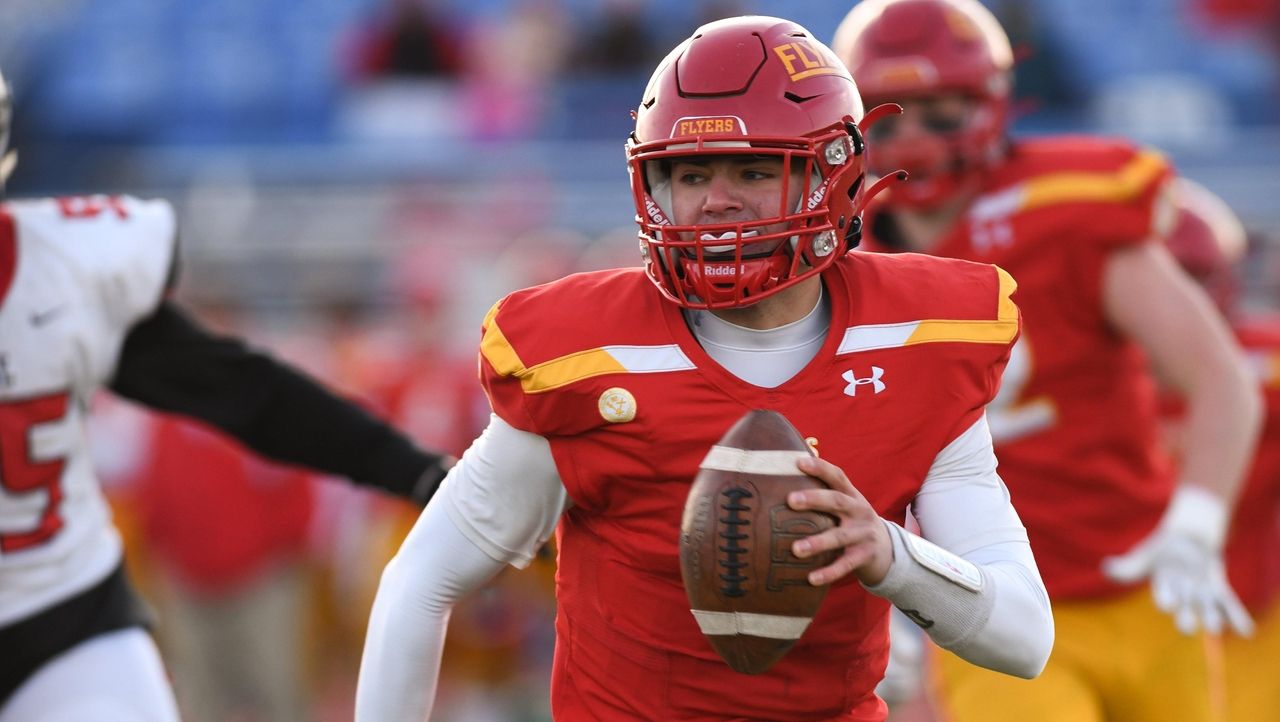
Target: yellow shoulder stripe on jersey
1001,330
577,366
495,347
1115,186
893,335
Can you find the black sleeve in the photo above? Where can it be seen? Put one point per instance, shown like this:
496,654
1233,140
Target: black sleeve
171,363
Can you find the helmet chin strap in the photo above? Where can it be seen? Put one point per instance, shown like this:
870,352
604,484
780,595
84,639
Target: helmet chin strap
815,182
660,192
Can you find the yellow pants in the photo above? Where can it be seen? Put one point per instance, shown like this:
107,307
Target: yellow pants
1119,660
1253,685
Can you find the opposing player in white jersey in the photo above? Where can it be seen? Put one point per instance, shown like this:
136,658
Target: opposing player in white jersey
83,305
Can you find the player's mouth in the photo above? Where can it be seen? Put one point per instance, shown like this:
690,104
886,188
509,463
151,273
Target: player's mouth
726,252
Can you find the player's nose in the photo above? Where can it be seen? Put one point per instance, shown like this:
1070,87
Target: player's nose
721,196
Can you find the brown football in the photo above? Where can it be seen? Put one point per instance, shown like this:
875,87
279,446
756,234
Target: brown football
749,594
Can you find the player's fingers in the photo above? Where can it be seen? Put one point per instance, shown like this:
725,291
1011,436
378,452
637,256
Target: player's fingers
840,537
1185,618
1237,616
832,475
1209,608
844,565
1131,566
1164,591
1179,597
831,501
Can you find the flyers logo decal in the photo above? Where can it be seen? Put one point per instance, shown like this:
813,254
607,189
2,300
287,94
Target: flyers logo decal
709,125
803,60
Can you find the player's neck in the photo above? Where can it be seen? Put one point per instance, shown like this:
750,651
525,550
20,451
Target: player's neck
786,306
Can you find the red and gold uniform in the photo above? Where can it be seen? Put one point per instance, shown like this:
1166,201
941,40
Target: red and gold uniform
1075,425
609,372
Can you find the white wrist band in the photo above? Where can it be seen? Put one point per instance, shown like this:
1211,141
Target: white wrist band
946,595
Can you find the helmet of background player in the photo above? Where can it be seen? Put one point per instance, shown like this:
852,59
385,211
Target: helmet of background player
1208,240
759,87
8,158
899,50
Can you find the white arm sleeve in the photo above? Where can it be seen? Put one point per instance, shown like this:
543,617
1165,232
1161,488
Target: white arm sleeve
971,581
496,507
507,496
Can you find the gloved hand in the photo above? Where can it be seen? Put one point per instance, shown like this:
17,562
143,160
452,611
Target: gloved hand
1183,558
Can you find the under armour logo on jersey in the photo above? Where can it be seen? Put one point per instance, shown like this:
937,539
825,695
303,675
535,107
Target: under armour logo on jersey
855,382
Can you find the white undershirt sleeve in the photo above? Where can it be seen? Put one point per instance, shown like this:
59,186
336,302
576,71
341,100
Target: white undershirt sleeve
496,507
505,494
970,579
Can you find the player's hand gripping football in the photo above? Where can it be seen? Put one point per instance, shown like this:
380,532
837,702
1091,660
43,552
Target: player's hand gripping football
1183,558
860,536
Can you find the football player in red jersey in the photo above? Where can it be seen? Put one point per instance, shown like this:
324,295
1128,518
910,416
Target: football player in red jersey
609,388
1209,242
1079,222
83,285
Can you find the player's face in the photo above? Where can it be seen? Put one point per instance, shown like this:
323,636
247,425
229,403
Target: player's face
921,139
730,189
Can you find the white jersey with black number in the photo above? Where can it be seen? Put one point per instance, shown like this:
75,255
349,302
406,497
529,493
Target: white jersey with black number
75,275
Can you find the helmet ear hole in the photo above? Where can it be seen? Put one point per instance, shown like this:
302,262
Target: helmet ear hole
855,187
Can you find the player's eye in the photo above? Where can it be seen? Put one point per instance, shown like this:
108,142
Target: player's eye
885,127
933,121
943,122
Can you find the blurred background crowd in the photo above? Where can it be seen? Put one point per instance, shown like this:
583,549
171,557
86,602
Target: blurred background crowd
358,180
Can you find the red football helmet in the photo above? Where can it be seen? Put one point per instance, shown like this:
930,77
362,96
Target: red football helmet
903,49
1208,241
748,86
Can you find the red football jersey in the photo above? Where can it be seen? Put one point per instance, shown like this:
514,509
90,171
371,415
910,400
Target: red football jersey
611,375
1075,423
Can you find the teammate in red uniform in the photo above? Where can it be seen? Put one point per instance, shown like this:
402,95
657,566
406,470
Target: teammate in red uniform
1209,241
609,388
82,305
1078,221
